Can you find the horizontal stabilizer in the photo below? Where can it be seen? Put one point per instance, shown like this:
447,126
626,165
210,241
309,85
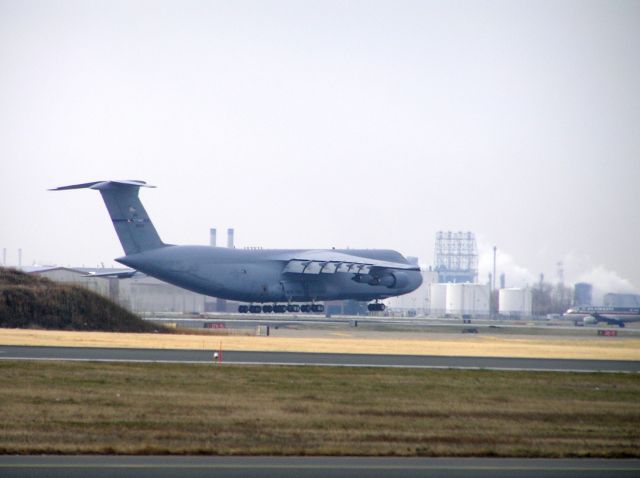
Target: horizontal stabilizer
116,275
105,185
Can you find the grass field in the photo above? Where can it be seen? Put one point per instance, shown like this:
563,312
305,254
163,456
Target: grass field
61,407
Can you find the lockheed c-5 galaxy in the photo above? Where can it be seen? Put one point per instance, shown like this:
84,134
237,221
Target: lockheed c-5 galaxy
275,280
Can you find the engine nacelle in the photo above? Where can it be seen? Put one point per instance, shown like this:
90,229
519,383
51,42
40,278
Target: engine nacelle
401,280
392,280
590,320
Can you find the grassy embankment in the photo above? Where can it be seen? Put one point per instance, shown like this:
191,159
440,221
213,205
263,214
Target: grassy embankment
186,409
28,301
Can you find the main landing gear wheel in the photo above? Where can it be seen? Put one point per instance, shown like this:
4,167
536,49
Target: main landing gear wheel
267,309
304,308
317,308
376,307
243,309
293,308
279,309
255,309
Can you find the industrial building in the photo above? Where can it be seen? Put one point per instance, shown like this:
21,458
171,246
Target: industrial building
621,300
138,294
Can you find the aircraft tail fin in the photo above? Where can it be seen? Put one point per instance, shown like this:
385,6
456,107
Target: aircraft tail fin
130,220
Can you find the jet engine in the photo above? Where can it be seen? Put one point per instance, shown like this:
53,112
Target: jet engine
392,280
590,319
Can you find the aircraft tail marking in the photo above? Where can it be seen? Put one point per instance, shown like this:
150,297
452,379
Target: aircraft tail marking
130,220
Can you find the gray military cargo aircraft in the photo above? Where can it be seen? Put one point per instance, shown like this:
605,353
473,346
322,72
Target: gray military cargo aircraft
268,280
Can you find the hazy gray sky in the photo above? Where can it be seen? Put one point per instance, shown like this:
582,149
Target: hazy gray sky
329,123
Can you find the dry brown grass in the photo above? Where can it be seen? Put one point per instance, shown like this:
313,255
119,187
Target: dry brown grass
604,348
171,408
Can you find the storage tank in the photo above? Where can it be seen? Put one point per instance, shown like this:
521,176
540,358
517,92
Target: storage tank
515,302
467,299
582,294
438,294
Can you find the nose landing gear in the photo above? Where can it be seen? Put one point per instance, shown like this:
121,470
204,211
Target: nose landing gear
376,307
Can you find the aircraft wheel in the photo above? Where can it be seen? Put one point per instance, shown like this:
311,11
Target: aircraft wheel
293,308
304,308
267,309
255,309
376,307
621,325
279,309
317,308
243,309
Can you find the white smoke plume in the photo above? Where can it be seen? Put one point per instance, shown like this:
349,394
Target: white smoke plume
515,274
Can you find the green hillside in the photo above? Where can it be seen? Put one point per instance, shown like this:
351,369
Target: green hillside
27,301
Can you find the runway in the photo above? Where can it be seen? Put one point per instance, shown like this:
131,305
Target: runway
319,359
310,467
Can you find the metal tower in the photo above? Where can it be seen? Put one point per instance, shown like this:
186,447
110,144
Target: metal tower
456,257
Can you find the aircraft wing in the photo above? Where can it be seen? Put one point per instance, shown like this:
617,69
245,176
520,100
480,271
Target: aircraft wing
332,262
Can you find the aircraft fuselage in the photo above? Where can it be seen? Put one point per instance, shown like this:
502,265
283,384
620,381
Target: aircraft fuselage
258,276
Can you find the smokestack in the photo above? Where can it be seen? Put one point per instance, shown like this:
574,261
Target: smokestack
19,257
212,237
493,277
230,244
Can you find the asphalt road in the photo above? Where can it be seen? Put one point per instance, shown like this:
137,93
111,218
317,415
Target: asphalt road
310,467
295,358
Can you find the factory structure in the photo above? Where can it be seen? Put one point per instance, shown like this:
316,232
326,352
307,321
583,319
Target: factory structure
451,288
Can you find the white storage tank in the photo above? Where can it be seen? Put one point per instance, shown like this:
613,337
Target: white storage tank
438,295
515,302
467,299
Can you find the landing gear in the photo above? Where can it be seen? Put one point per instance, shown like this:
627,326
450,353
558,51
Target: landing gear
281,308
376,307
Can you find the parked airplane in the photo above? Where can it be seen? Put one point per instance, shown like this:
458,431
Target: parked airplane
611,315
269,280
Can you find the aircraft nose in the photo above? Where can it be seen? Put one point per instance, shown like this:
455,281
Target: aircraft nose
416,280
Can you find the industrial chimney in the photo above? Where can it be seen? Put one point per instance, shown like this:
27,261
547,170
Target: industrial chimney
212,236
230,244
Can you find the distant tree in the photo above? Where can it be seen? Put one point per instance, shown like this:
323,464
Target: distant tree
550,299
